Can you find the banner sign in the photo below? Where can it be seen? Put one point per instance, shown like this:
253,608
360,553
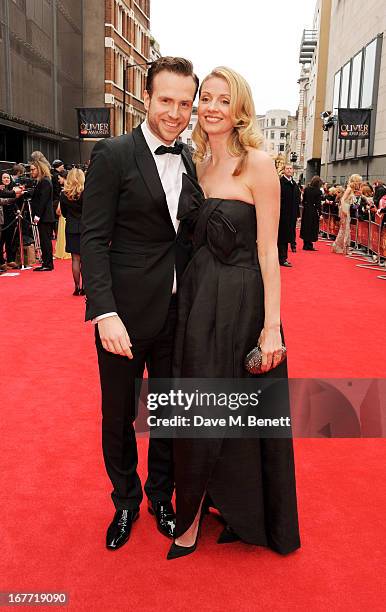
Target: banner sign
363,232
93,122
374,236
354,123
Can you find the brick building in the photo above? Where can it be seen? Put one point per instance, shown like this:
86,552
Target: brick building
127,42
57,56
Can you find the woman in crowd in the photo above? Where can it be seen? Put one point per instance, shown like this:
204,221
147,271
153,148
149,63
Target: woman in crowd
348,200
9,236
43,214
71,208
367,209
229,301
60,247
312,199
336,193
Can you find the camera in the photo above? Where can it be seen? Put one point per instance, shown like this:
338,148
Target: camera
28,183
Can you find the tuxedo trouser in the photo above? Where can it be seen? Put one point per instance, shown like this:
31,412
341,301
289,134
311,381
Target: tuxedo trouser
45,235
119,405
282,248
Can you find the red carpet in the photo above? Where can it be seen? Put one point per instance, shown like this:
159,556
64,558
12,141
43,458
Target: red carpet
55,502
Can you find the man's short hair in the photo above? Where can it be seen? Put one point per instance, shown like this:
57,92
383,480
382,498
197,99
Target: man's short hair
177,65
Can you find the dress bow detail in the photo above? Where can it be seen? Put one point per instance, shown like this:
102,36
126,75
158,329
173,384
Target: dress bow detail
204,219
191,199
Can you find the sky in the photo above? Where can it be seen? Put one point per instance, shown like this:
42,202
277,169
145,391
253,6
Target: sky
258,38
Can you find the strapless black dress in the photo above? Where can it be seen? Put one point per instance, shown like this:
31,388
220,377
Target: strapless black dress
220,317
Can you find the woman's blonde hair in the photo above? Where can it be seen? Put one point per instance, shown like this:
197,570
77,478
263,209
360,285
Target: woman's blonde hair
74,184
242,109
355,182
42,168
339,191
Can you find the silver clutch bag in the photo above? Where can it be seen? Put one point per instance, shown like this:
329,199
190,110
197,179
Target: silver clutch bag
253,360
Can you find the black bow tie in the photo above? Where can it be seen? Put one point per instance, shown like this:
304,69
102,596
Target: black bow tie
175,149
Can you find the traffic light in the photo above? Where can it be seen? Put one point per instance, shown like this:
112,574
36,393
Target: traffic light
294,157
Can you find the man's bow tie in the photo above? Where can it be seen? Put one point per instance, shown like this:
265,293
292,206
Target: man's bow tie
175,149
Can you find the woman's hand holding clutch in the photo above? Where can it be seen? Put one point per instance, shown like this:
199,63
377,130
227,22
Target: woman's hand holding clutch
269,352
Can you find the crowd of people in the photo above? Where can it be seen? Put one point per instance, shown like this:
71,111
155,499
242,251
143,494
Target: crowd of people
54,196
56,206
358,200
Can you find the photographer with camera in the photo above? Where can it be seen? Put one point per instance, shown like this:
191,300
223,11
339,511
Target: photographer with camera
8,195
43,213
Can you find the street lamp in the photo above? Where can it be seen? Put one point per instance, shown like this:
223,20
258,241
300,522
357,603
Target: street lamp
126,67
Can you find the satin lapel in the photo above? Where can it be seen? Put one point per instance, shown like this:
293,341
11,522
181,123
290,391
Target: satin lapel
148,169
188,162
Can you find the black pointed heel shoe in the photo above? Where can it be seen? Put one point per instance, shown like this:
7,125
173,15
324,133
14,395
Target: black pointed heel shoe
175,551
227,536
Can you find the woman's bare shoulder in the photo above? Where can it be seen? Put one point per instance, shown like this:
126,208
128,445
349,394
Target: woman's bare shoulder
258,159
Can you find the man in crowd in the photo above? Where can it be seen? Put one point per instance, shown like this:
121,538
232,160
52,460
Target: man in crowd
57,168
289,212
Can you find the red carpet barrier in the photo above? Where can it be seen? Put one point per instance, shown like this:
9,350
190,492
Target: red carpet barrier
369,234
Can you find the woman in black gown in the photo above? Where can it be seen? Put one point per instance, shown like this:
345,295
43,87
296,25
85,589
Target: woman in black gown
229,299
312,208
71,201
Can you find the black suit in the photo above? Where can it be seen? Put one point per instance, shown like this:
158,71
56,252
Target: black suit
289,212
41,205
129,249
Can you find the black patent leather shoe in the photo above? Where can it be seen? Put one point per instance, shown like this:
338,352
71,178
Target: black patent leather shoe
119,530
286,264
164,516
43,269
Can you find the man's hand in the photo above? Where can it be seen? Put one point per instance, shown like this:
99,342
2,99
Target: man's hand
114,336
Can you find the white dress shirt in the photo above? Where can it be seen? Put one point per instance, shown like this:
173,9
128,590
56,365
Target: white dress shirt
170,169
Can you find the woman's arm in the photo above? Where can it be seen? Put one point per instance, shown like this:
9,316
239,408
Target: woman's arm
344,202
264,184
63,204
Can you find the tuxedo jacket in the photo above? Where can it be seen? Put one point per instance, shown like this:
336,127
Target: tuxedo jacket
129,246
41,201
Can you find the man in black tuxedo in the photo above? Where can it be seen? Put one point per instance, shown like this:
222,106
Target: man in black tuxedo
132,257
290,196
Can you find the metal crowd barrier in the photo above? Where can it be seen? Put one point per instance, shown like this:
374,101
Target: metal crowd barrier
370,235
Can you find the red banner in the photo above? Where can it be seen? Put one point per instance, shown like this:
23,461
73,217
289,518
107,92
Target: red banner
374,236
363,232
382,248
353,230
